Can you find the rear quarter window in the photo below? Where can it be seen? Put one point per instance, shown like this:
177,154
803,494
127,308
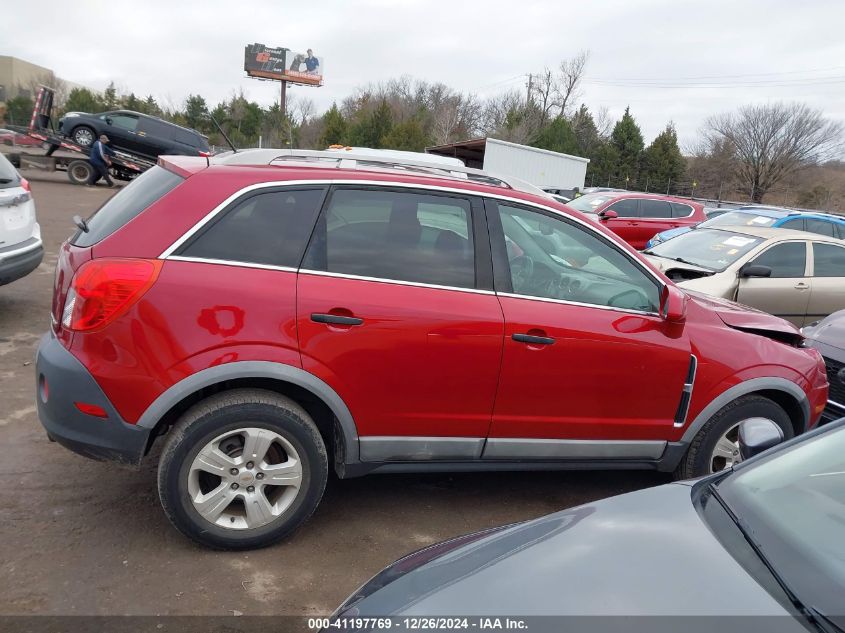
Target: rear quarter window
127,204
8,175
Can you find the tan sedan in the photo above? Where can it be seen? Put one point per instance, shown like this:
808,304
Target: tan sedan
792,274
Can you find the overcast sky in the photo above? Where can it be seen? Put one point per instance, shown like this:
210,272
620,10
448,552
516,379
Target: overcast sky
643,53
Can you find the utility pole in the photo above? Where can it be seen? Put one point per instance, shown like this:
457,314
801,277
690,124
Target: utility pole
530,86
283,99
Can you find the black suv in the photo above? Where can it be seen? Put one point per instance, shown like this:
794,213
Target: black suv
134,132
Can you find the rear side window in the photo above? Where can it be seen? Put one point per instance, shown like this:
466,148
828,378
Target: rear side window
269,228
625,208
127,204
8,175
796,224
655,209
684,211
829,260
786,260
395,235
820,226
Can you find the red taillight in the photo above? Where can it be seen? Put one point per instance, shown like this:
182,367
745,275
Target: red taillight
25,184
103,289
91,409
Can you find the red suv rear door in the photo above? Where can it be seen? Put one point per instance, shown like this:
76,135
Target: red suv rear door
395,311
588,364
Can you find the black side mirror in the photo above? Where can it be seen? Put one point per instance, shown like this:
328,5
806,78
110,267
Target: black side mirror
755,270
757,435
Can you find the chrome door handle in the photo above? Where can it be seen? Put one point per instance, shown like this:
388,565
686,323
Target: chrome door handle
801,286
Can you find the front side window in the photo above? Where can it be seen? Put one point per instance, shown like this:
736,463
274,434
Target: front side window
828,260
403,236
124,121
786,260
655,209
269,228
555,259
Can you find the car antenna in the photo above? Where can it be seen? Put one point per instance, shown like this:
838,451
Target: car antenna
220,129
82,224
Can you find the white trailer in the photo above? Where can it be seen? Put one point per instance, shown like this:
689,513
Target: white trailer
540,167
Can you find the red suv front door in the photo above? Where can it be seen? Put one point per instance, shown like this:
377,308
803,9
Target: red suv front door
588,364
392,314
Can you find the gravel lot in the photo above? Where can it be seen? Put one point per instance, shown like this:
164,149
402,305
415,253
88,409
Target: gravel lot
81,537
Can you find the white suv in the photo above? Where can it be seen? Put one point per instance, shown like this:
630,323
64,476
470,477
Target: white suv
20,236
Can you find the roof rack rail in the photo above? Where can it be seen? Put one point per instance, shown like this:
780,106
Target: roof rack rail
350,159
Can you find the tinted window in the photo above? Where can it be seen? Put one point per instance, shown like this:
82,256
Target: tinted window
186,137
124,121
819,226
785,260
829,260
625,208
655,209
684,210
796,225
8,174
127,204
395,235
270,228
552,258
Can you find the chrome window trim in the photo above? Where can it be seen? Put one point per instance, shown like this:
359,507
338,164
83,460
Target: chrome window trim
227,262
400,282
836,404
578,303
589,225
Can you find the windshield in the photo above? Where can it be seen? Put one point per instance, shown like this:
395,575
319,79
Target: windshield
792,505
709,248
588,203
738,218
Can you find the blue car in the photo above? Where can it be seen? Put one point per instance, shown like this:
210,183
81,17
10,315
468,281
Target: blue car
821,223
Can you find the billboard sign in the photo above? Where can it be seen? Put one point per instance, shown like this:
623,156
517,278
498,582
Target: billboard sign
283,64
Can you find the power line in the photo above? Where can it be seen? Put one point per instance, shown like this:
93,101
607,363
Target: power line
785,72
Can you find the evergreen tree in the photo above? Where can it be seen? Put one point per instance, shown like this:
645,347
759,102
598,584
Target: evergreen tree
19,110
603,168
110,100
628,141
586,133
151,107
83,100
663,159
195,113
334,128
557,136
373,127
132,103
407,136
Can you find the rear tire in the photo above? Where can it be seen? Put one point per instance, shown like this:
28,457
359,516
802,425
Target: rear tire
216,472
79,172
83,136
711,448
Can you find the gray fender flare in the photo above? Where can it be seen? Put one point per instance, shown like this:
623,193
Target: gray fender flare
257,369
744,388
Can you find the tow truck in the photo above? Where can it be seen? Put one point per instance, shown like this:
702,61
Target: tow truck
73,157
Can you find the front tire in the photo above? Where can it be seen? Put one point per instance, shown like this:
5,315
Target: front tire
715,447
242,470
83,136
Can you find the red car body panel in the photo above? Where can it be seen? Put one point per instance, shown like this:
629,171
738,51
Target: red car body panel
637,231
426,361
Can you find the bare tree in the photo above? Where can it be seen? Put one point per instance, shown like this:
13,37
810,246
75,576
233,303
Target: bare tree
604,122
545,89
773,141
571,72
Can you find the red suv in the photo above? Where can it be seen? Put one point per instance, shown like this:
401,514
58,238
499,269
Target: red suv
268,317
637,217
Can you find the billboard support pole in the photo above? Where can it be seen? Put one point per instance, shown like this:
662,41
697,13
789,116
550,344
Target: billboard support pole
283,97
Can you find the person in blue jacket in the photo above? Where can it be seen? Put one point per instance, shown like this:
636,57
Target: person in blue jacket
100,161
312,64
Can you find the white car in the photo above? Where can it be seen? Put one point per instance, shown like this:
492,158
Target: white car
21,249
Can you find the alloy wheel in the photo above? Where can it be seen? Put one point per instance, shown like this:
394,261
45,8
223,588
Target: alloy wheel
245,479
